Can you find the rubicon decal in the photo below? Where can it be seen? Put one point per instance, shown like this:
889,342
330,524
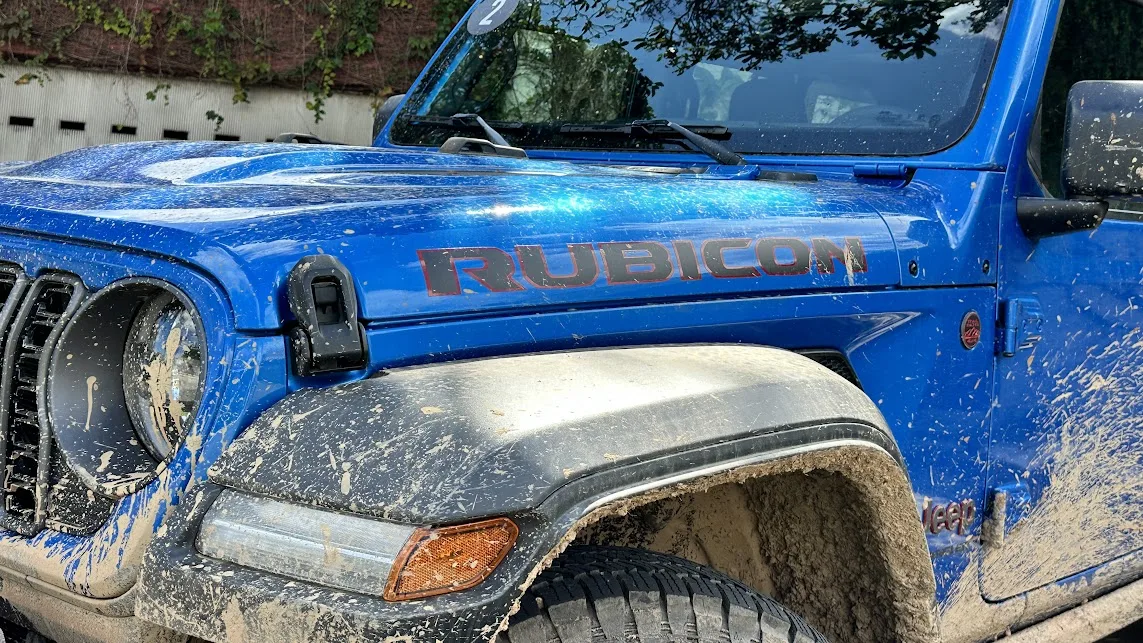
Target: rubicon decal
638,262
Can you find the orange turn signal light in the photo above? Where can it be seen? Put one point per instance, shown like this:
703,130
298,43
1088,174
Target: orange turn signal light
449,559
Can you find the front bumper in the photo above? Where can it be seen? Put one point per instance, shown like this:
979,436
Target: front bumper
68,618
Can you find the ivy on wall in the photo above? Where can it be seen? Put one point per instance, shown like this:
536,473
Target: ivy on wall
320,46
445,14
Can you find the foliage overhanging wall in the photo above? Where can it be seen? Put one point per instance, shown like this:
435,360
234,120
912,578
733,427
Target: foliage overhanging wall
373,46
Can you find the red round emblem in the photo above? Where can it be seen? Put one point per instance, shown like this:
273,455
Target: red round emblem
970,330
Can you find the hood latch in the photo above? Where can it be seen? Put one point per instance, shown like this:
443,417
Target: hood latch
328,336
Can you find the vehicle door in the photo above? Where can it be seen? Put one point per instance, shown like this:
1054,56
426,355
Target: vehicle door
1066,455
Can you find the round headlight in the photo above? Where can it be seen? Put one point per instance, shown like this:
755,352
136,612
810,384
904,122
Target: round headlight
126,382
162,373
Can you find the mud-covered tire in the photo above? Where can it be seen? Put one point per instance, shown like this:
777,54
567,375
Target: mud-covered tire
621,595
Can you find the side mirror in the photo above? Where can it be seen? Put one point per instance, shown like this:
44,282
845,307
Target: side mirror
1103,158
385,112
1103,140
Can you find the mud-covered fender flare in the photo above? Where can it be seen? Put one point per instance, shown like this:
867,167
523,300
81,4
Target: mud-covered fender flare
451,442
550,440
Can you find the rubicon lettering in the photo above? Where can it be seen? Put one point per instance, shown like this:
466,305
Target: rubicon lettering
637,262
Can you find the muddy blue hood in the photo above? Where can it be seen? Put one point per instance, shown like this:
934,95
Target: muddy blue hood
245,214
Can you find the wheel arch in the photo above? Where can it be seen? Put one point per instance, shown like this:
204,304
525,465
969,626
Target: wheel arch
566,442
828,529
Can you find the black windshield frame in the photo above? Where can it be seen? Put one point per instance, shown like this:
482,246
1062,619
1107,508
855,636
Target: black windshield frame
808,139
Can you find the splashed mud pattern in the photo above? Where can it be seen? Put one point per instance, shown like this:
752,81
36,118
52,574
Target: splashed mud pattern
1092,508
160,373
92,387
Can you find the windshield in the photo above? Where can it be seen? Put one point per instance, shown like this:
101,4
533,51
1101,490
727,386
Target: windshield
878,77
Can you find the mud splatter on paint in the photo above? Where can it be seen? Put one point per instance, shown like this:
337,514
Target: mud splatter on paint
1091,510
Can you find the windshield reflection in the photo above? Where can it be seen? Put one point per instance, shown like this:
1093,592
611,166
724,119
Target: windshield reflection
783,76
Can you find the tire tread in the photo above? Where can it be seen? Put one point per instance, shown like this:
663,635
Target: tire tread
622,595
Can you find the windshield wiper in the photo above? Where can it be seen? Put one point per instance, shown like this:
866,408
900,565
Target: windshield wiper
468,122
494,137
662,128
495,145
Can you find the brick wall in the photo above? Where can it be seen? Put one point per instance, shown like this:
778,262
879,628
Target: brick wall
279,33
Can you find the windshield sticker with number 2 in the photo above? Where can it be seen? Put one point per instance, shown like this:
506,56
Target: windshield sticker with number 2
489,15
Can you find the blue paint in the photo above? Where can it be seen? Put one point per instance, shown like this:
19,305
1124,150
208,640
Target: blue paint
226,222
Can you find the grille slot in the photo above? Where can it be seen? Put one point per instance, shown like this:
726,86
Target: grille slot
72,507
10,277
25,442
834,361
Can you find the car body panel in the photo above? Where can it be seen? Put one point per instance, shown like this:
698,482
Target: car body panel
247,213
938,404
1066,431
105,564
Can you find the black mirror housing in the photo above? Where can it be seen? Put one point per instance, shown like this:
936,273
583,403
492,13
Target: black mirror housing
1103,140
385,112
1047,217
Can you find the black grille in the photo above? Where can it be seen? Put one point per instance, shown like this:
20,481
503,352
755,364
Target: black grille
33,326
10,277
72,507
834,361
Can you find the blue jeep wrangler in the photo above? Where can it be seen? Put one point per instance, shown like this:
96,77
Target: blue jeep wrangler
723,321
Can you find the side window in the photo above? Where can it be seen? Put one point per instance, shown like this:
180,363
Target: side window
1096,40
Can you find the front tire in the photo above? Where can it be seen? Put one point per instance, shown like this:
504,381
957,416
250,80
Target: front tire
622,595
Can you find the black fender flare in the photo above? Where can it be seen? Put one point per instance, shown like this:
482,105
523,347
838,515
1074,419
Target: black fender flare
549,439
451,442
